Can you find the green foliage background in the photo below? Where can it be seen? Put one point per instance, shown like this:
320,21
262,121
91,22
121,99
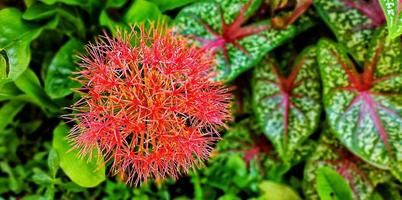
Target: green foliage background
38,43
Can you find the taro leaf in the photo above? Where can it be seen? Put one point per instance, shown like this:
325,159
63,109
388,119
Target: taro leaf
288,107
58,81
29,83
392,10
332,186
361,176
350,26
364,109
84,172
16,37
219,27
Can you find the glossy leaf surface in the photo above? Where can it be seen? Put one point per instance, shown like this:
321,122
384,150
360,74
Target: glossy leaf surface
364,109
393,13
85,173
220,27
288,106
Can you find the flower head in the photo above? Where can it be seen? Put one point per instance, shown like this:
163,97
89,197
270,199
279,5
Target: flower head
151,108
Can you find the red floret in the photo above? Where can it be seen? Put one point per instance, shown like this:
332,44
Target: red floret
148,104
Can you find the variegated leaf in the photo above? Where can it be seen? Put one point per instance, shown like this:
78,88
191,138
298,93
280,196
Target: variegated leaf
351,26
364,109
288,107
392,10
361,176
219,26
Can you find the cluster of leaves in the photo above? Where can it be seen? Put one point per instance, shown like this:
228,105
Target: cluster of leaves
314,118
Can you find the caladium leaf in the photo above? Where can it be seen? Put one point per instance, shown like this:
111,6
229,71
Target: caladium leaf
360,176
392,10
352,22
288,107
364,109
219,26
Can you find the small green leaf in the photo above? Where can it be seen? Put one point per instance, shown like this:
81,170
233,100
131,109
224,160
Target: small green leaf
275,191
361,177
41,178
332,186
50,191
3,69
58,81
14,183
16,37
84,172
141,11
393,13
8,111
29,83
53,162
288,107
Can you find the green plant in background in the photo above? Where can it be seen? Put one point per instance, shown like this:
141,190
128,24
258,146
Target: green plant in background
317,113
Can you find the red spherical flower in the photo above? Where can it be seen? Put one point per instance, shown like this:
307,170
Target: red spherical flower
148,104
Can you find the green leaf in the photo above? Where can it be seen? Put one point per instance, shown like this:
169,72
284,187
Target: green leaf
84,172
3,69
275,191
29,83
141,11
58,81
39,11
16,37
361,177
41,178
392,10
8,111
105,20
237,47
288,107
171,4
348,25
68,2
364,109
14,183
115,3
53,162
332,186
